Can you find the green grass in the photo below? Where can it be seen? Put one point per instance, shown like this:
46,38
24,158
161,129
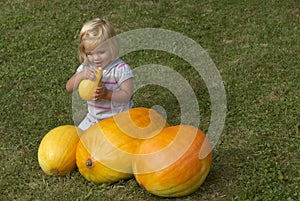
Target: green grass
254,44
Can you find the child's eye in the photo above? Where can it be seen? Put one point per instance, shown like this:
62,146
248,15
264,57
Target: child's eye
101,52
96,53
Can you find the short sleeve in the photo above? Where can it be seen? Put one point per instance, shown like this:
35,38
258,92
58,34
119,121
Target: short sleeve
80,68
124,72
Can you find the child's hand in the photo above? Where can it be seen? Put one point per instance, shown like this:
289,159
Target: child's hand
88,73
100,93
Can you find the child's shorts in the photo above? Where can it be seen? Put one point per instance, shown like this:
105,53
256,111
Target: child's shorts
87,122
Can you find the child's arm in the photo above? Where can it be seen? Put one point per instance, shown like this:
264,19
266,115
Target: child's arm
123,95
74,81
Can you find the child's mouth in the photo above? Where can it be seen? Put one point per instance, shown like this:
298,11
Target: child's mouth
98,64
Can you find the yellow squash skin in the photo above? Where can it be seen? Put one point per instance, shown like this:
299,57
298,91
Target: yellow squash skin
106,149
87,87
57,150
170,164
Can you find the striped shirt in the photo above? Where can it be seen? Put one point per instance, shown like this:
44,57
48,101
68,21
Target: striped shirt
112,77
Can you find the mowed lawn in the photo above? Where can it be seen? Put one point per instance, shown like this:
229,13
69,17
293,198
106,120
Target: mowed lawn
255,46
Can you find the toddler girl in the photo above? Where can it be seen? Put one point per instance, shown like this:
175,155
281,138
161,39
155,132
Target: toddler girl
99,48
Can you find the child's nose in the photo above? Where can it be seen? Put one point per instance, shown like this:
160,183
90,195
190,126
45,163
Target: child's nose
97,56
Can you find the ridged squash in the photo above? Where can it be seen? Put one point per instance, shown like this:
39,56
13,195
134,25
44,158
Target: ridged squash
57,150
106,149
173,163
87,87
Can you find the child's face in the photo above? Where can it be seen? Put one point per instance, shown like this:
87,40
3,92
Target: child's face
99,56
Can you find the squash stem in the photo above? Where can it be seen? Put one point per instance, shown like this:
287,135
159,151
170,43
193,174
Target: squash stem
89,163
54,171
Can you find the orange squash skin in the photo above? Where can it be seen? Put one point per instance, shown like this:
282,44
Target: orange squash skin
180,177
57,150
111,144
93,170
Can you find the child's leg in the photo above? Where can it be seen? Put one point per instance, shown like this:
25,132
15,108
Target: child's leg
87,122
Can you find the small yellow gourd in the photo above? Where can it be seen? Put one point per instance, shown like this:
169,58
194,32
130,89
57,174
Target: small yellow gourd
87,87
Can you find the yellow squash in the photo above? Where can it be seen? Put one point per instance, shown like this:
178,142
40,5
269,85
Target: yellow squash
175,162
106,149
87,87
57,150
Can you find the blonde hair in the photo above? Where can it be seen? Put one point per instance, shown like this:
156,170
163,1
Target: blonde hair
96,32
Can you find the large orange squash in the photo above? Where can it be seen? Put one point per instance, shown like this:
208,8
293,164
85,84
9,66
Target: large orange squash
57,150
175,162
106,149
